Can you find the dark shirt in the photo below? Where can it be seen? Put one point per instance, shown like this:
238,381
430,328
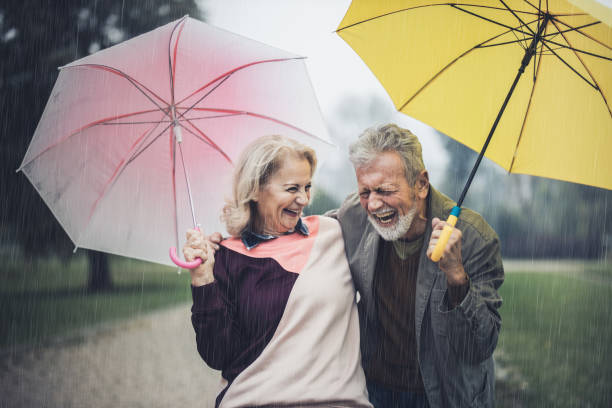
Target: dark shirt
395,364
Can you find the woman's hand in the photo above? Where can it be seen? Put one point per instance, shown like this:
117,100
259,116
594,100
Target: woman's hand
197,246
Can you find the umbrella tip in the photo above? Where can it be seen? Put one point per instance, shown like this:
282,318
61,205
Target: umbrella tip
75,249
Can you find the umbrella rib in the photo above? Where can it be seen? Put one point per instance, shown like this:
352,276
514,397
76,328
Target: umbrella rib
138,153
569,66
212,117
129,79
418,7
264,117
489,20
164,121
537,8
81,130
577,29
517,17
172,68
195,134
518,40
116,174
136,123
182,114
569,47
520,137
571,28
437,74
232,71
587,69
208,141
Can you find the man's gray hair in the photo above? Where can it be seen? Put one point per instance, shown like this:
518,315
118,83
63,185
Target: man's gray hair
389,138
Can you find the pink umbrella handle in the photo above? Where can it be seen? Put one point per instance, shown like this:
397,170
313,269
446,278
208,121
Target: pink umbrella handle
184,264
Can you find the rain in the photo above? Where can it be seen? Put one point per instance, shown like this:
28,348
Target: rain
80,327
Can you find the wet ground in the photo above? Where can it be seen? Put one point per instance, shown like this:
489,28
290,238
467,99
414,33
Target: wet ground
149,362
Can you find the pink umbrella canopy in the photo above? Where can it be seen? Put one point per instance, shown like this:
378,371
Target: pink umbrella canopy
107,156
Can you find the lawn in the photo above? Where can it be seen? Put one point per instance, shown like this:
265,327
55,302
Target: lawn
556,340
47,299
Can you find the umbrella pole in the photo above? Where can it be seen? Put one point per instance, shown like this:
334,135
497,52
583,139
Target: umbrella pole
179,140
436,255
173,255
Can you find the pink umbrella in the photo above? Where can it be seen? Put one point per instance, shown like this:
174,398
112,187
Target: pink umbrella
122,126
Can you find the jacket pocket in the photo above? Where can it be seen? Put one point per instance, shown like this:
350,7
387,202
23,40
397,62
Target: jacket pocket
482,397
439,320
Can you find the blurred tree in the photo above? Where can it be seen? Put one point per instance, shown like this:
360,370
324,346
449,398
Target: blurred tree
458,169
321,202
35,38
533,216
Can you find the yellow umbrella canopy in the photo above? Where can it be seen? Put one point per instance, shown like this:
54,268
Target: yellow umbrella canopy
451,65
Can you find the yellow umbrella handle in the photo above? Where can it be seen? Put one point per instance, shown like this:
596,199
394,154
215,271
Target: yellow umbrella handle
446,233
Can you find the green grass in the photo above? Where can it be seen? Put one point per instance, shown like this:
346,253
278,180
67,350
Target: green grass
48,298
556,336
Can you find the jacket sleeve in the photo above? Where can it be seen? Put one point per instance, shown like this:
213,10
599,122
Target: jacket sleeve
332,214
475,323
213,317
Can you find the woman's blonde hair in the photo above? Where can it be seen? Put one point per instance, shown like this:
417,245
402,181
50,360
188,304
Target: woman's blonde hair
257,163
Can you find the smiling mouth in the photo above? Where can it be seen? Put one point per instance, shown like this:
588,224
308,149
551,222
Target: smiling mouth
292,213
384,218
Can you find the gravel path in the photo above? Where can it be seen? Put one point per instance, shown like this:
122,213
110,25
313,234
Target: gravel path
150,361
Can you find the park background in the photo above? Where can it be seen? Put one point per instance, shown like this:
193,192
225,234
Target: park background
554,348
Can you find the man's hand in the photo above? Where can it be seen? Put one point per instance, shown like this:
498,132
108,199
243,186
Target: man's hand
199,246
451,262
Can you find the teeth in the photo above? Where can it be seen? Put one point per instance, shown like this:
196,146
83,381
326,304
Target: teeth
386,217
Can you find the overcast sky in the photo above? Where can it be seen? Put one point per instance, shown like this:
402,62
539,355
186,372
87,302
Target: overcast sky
307,28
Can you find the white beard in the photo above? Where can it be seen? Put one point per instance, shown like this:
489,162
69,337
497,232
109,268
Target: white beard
397,230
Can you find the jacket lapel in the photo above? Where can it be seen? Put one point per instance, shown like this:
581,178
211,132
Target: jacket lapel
370,242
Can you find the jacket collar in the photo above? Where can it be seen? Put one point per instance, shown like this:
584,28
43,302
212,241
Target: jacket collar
251,239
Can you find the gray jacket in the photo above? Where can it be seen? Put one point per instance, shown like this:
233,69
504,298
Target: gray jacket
454,346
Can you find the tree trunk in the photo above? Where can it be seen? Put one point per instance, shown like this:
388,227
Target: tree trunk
99,272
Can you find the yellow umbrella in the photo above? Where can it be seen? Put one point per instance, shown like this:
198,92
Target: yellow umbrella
457,67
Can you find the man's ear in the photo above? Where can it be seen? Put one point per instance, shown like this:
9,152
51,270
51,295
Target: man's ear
422,184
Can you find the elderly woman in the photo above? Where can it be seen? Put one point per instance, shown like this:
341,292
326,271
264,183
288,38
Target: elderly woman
274,309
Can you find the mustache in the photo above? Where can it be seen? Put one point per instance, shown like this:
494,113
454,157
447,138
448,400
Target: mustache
382,211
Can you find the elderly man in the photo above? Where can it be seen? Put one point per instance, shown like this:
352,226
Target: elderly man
428,330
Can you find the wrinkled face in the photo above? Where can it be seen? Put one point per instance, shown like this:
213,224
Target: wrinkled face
281,201
386,195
